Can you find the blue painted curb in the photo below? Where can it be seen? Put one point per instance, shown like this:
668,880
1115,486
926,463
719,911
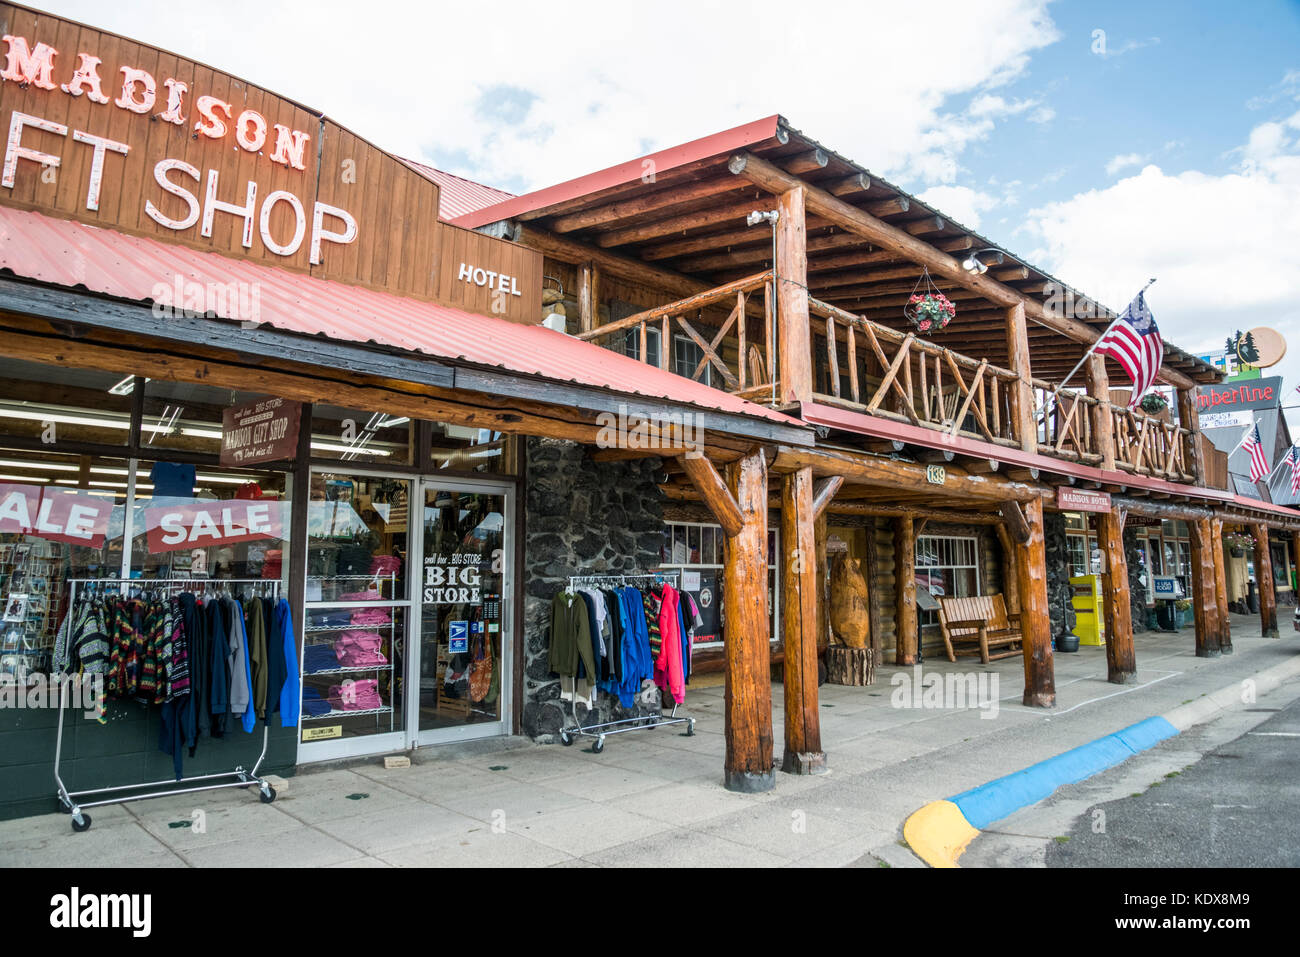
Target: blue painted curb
993,801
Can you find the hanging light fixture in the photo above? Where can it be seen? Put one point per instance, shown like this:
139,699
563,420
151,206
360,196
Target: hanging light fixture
973,264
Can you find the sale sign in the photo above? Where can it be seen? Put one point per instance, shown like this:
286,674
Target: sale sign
60,515
211,523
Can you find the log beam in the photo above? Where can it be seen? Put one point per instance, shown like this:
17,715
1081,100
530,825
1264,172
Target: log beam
799,614
715,494
1264,581
824,491
1121,662
1035,622
905,637
852,219
1205,609
793,328
748,691
1221,587
1021,393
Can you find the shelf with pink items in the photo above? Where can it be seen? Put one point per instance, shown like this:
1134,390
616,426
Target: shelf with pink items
345,713
352,589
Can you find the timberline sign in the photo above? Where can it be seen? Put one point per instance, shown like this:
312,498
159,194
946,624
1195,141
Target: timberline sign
1234,396
1081,500
114,133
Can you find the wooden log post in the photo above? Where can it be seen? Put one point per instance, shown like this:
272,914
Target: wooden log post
801,610
1221,587
588,297
1205,609
1121,662
1035,620
1189,417
1264,581
820,534
748,691
905,637
1103,424
1010,586
794,329
1021,392
740,506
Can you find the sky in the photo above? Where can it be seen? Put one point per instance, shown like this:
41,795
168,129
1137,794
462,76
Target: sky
1106,142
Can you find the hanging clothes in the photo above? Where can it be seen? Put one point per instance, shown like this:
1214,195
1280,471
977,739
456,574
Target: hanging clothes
668,670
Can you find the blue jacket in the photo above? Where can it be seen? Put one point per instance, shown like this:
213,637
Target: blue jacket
289,693
249,717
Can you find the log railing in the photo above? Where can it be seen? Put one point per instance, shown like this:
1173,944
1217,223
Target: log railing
742,361
1064,418
1149,445
896,375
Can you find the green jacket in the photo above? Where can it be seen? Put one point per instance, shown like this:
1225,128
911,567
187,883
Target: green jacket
571,636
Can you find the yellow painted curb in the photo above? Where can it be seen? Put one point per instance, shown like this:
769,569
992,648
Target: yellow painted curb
938,833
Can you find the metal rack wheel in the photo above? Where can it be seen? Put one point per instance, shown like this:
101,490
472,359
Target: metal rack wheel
690,727
566,739
599,746
80,821
268,794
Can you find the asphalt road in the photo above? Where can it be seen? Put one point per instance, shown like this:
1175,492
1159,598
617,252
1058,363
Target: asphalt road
1239,806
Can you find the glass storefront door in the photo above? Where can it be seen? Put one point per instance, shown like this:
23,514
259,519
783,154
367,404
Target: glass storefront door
463,601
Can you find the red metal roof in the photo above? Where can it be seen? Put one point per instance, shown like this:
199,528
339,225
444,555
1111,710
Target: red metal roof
724,142
66,253
458,196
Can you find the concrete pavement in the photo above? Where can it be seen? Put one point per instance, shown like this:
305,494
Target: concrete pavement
656,798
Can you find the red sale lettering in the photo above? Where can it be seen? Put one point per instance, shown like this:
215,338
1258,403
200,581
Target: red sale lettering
60,515
212,523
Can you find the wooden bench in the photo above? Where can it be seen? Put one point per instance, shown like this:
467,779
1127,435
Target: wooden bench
980,621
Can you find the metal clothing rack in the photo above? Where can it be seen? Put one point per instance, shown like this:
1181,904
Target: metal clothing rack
71,801
623,725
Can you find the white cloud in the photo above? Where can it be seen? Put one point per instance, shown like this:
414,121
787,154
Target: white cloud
960,202
1124,161
1224,247
588,85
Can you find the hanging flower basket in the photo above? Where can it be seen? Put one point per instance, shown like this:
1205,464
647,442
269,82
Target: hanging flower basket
927,308
1153,403
1239,542
930,312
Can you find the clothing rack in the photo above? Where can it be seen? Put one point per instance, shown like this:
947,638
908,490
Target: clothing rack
622,725
71,800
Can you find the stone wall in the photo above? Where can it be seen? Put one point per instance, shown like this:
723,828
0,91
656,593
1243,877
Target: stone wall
1059,594
581,518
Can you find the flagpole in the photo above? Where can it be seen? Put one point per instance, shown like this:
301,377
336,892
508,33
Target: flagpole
1080,363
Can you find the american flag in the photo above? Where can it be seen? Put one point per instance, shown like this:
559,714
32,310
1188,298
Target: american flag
1134,342
1293,457
1254,446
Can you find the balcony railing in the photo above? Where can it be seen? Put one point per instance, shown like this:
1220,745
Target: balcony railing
868,367
743,362
898,376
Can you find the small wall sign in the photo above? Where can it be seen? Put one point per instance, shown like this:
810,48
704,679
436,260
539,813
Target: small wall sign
936,474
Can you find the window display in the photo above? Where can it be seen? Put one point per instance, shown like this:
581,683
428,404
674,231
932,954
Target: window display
357,606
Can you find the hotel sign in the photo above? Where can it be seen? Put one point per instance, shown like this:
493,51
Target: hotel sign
1081,500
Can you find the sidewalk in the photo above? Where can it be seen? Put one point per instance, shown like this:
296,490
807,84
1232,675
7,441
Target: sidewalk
654,798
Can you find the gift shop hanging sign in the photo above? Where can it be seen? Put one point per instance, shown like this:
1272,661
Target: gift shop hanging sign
212,523
59,515
261,431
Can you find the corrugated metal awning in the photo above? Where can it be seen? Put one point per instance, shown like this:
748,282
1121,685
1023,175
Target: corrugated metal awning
76,255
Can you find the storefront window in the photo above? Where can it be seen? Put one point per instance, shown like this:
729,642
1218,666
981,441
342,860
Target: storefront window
464,449
361,437
946,567
357,607
695,550
57,522
63,407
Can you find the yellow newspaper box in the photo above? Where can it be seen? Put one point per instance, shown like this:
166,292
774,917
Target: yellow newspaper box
1090,624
